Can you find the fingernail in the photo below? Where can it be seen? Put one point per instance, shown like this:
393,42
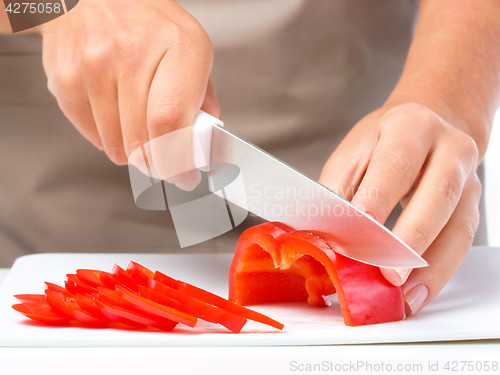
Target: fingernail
396,276
189,181
415,298
187,185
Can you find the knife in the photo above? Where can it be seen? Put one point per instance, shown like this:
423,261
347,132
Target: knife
252,180
277,192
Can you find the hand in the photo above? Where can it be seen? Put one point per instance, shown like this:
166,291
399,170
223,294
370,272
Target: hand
125,72
409,154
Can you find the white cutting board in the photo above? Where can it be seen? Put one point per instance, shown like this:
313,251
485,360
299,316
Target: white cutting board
468,308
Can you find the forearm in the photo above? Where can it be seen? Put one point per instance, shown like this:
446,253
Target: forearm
453,66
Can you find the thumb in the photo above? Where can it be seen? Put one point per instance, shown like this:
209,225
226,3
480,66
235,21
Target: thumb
211,104
177,92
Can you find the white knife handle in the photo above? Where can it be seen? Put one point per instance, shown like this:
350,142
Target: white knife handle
202,139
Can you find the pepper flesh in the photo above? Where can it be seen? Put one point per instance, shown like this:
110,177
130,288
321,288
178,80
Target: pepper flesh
274,263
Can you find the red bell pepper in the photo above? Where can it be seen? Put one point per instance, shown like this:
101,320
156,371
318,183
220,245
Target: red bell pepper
274,263
65,304
137,298
95,278
74,285
40,311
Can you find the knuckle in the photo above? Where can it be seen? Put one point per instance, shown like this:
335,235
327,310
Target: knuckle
426,116
422,114
467,147
96,57
470,226
176,32
201,39
63,81
166,116
450,188
399,160
416,119
419,239
476,186
417,111
192,39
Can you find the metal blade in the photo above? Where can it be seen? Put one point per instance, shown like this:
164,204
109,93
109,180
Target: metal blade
276,192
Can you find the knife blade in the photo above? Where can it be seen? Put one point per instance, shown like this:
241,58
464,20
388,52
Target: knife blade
277,192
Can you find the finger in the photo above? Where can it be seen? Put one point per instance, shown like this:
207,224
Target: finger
178,88
430,207
175,96
190,179
343,176
64,82
347,165
133,89
133,103
447,252
132,107
211,104
396,162
104,103
67,88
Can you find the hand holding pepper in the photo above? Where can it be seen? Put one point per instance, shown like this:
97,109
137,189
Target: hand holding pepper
410,154
423,146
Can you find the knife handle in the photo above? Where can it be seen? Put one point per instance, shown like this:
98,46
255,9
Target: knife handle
202,139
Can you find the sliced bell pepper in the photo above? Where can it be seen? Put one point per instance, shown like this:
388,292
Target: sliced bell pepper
213,299
154,308
55,287
30,297
41,311
65,303
140,274
133,318
95,278
74,285
124,278
133,298
167,296
274,263
86,302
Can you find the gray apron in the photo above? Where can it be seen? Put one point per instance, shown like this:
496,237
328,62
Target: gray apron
292,76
